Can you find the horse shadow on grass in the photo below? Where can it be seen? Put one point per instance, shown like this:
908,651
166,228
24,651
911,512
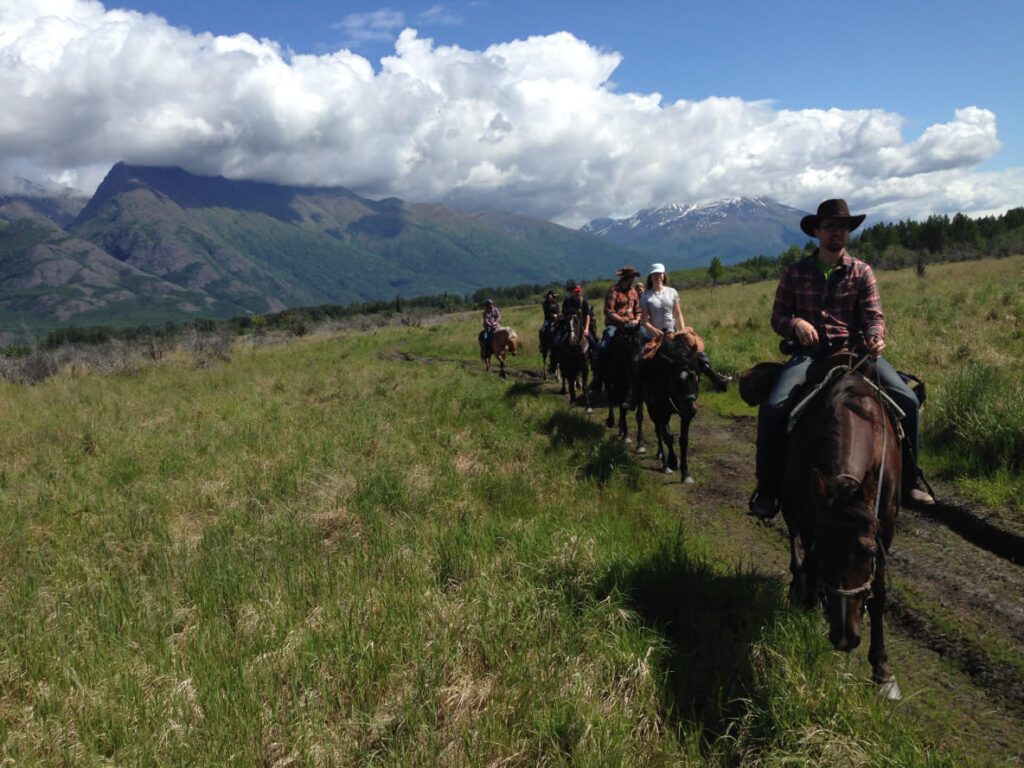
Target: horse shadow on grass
522,389
598,455
709,620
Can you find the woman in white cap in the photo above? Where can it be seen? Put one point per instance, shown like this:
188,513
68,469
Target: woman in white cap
660,313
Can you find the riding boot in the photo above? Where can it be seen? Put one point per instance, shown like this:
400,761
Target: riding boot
911,494
720,382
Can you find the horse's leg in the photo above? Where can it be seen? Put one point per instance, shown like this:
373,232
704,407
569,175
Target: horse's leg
572,388
623,429
877,654
684,441
798,584
501,362
671,460
665,450
586,386
610,421
640,448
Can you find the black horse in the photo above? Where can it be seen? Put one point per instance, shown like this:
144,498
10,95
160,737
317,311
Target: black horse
572,351
546,344
617,368
669,385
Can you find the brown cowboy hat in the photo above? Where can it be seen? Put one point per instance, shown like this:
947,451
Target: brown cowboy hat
627,271
830,209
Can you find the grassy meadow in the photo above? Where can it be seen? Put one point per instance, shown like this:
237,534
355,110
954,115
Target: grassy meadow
323,553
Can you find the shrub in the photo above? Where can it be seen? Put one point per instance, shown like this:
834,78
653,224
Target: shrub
979,420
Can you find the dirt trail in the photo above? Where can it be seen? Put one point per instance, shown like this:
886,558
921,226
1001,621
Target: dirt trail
956,614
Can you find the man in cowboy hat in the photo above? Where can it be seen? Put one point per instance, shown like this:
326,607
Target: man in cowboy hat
621,308
826,302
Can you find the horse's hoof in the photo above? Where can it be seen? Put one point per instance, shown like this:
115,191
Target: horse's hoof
589,410
667,471
688,480
627,440
641,449
890,689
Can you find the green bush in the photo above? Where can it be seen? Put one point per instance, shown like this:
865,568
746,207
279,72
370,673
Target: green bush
979,420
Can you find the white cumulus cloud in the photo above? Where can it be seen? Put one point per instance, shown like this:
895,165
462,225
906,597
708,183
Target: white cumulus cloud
531,126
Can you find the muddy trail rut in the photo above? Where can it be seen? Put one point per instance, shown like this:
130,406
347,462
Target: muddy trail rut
956,609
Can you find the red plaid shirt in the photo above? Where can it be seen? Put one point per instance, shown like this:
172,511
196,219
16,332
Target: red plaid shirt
839,308
625,304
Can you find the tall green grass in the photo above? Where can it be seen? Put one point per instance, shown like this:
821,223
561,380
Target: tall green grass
322,554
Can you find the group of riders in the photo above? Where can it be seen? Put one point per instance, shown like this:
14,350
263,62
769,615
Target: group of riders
825,303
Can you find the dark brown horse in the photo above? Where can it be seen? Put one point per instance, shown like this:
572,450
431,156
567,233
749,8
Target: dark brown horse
504,341
839,498
546,345
670,376
572,351
624,349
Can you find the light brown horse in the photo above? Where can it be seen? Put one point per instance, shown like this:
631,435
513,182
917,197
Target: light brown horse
839,498
504,341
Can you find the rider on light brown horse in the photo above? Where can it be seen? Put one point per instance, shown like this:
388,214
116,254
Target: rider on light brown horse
492,319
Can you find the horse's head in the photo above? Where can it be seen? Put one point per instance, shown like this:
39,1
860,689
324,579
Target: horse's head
575,330
571,333
627,341
677,354
512,342
847,549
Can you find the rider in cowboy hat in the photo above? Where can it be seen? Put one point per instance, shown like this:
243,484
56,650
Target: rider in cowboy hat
827,302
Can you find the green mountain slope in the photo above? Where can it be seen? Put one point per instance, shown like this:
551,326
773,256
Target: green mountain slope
164,244
50,278
300,245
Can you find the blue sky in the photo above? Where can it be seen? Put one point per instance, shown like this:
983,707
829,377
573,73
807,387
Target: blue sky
904,108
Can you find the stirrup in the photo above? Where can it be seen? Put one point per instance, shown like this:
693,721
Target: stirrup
762,515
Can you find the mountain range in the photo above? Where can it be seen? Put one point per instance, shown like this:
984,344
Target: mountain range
688,236
155,244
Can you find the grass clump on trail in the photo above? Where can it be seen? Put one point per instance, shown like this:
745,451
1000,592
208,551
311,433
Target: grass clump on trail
320,553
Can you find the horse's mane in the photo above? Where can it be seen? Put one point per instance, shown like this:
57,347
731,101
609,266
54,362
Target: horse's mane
677,351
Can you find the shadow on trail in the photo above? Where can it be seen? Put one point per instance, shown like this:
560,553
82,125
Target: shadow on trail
571,428
710,622
524,389
598,455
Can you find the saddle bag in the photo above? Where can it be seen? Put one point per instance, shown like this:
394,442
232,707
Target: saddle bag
756,383
915,384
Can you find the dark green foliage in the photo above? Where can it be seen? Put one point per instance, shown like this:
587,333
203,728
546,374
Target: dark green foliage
979,421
